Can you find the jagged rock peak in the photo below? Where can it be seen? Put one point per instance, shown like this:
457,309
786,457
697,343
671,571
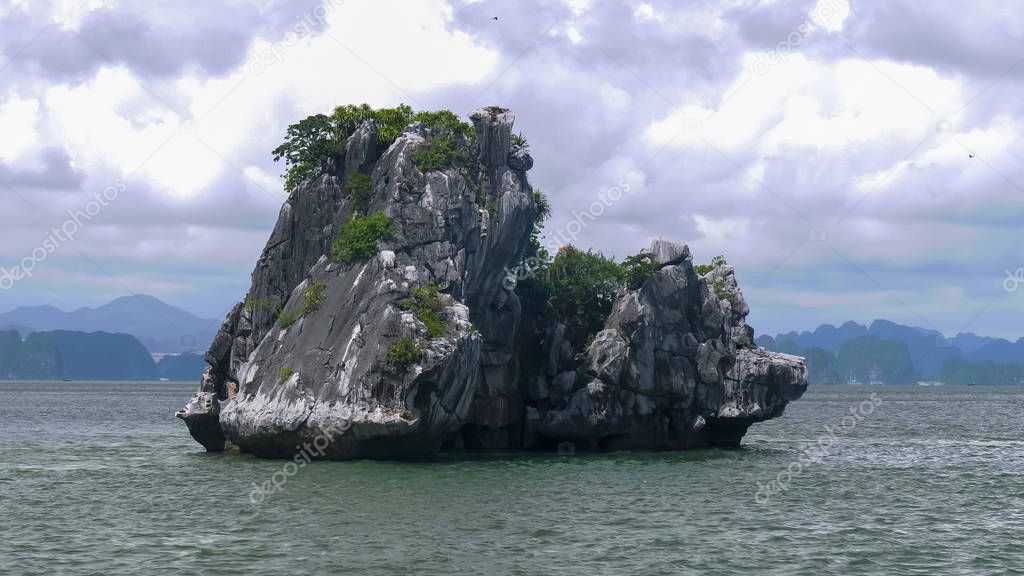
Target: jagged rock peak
493,134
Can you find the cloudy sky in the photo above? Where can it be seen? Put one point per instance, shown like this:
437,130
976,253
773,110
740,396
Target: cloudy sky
853,160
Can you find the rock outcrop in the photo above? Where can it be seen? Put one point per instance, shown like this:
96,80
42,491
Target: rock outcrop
675,367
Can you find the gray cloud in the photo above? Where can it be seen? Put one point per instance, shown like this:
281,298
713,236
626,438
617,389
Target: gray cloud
55,173
159,39
930,246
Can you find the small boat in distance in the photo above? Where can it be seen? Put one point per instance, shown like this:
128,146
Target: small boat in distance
67,380
930,383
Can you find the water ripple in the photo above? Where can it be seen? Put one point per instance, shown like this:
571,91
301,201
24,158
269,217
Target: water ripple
931,483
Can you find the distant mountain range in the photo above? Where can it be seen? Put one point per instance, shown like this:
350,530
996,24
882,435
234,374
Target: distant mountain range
896,354
116,342
63,354
160,327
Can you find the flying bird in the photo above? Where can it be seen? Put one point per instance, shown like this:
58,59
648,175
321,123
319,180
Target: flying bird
495,18
970,155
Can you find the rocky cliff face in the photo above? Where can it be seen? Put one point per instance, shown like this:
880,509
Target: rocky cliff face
675,367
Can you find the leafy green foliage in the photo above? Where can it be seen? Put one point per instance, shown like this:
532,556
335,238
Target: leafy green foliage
390,121
437,154
536,249
543,208
427,306
358,238
532,271
359,186
519,143
582,287
446,122
312,298
284,374
722,292
309,146
446,147
702,269
254,304
312,145
638,269
286,319
404,353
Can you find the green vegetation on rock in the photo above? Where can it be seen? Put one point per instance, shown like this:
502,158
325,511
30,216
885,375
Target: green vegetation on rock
581,287
358,238
312,297
427,306
359,186
723,292
702,269
309,147
445,122
316,144
537,250
436,154
519,143
256,304
286,319
404,353
284,374
638,269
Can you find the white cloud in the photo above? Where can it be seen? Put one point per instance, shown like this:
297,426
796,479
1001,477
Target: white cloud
830,14
18,126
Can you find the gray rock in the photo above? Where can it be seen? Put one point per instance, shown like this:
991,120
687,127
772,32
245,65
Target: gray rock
564,384
607,357
674,353
665,252
329,370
